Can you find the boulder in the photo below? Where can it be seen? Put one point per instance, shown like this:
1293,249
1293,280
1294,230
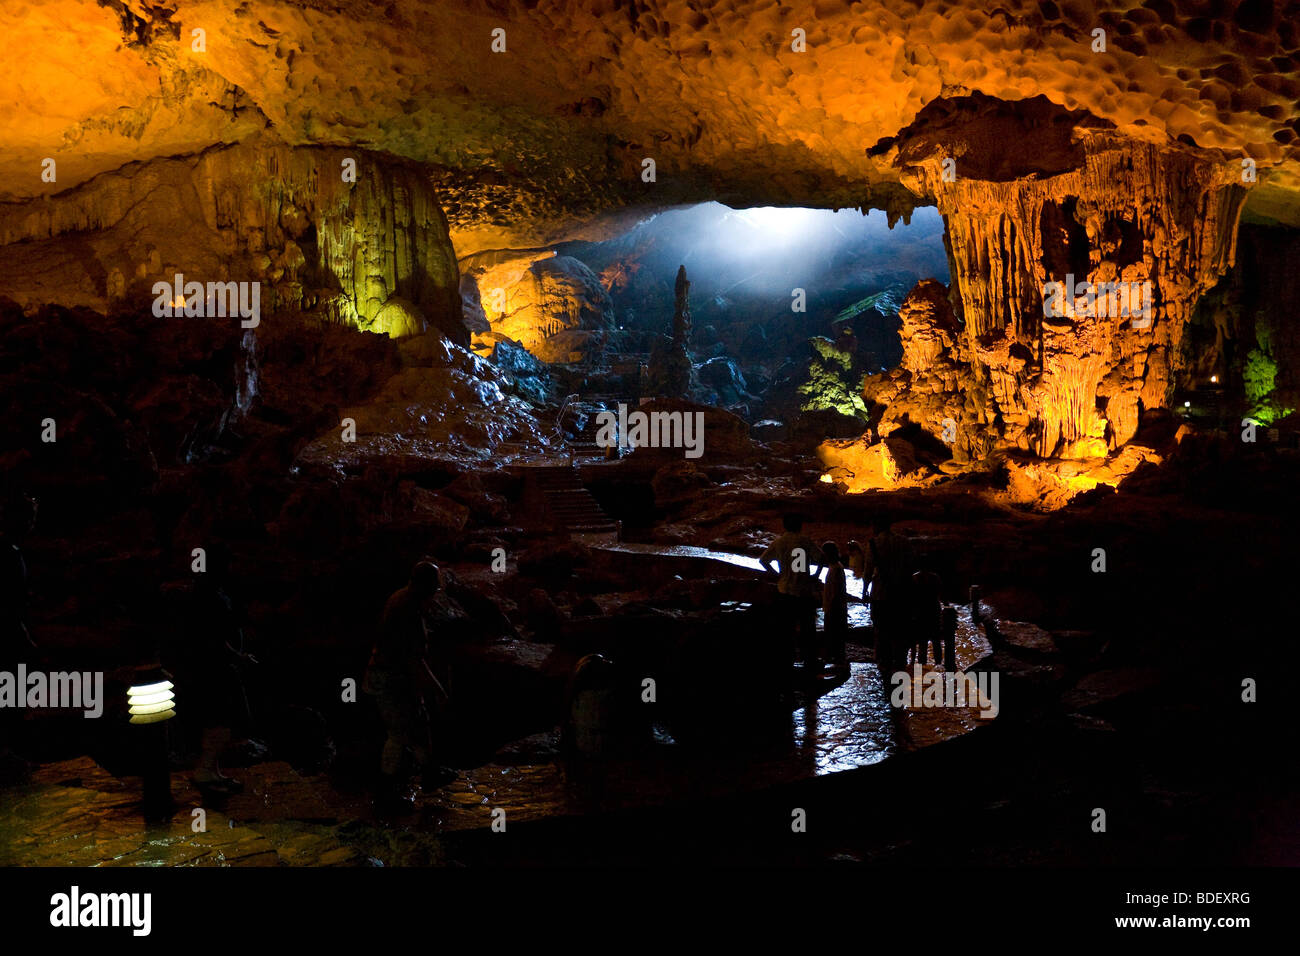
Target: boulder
724,436
468,490
769,429
1049,484
542,615
431,509
815,426
678,481
858,466
399,318
521,373
430,350
1026,640
724,378
1101,690
548,304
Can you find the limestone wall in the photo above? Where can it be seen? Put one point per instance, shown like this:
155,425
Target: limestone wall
259,211
1071,386
551,305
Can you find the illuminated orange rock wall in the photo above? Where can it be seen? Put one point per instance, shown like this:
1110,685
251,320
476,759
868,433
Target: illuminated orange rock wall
554,306
1071,386
537,140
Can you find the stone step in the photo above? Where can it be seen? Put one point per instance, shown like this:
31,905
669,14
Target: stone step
573,506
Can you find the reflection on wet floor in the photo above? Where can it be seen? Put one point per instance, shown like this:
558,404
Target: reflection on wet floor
832,728
849,727
853,583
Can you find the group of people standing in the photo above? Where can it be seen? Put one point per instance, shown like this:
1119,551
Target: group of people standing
907,613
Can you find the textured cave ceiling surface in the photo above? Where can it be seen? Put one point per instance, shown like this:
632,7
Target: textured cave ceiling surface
545,141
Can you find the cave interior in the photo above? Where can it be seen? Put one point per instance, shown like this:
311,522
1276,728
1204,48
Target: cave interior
296,296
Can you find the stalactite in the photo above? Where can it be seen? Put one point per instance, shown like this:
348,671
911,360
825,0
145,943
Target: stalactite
281,216
1007,240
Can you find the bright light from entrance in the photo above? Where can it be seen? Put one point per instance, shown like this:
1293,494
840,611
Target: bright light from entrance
780,225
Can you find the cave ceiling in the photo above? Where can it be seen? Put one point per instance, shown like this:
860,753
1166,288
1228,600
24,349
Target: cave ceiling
546,140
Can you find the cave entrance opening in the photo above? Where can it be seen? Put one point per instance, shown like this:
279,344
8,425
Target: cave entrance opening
789,307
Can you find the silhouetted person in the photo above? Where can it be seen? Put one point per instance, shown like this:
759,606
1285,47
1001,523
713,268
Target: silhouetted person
16,644
835,607
401,678
927,616
800,561
592,715
210,669
892,567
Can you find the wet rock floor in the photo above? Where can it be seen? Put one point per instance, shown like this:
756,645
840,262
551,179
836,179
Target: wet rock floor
74,813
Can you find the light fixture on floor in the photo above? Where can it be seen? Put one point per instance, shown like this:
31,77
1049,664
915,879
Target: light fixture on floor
151,704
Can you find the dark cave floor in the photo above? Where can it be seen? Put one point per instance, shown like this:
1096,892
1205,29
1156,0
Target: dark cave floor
73,812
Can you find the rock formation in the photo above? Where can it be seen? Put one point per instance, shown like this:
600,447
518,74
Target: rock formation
537,142
856,465
373,253
991,368
833,378
670,362
554,306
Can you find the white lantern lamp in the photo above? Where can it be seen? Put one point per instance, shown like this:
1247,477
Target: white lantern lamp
151,703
